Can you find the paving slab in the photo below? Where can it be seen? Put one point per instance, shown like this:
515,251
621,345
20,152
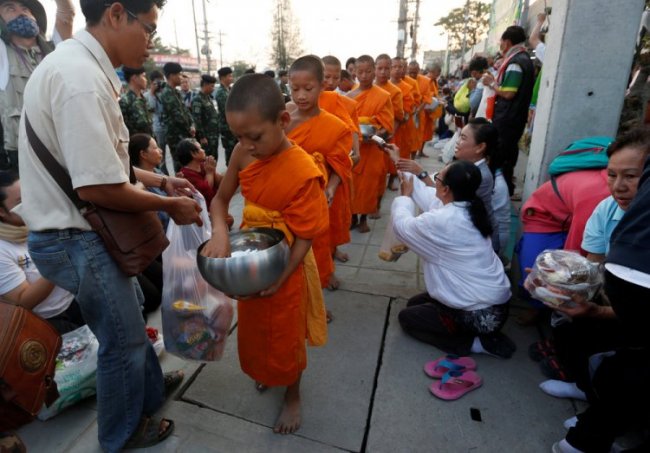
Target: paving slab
336,387
516,415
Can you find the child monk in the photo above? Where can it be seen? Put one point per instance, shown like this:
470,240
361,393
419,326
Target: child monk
345,109
403,136
424,85
346,83
282,188
382,80
375,108
325,137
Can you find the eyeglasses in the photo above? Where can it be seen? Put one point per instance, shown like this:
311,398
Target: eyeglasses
148,28
438,178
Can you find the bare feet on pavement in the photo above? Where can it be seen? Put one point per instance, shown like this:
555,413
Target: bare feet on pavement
334,283
341,256
289,419
363,227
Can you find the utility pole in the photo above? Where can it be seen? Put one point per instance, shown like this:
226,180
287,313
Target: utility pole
462,55
196,35
220,49
206,40
401,27
414,38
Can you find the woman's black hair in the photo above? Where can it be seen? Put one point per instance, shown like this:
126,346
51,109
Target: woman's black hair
463,179
635,138
137,144
486,132
185,149
7,179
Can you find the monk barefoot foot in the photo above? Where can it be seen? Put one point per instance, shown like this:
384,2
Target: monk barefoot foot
375,215
289,419
363,227
334,283
341,256
260,387
329,316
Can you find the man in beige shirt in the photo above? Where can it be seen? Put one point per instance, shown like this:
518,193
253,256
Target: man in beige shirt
71,101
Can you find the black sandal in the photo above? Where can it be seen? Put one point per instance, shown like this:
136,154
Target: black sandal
11,443
148,433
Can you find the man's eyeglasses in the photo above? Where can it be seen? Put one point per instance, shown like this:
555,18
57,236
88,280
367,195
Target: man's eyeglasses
148,28
438,178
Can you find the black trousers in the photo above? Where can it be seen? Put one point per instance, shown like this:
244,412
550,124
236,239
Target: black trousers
509,136
620,395
449,329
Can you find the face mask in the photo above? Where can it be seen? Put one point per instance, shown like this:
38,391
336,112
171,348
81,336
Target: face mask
23,26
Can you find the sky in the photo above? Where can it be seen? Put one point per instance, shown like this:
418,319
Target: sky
347,28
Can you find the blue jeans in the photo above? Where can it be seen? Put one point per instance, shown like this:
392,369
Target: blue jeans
129,378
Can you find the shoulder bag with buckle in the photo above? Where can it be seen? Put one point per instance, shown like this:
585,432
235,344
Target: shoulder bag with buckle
133,239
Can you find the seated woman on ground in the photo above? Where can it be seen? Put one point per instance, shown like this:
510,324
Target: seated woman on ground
466,303
198,168
21,283
594,327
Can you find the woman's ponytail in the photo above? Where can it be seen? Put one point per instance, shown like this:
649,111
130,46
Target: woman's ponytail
479,216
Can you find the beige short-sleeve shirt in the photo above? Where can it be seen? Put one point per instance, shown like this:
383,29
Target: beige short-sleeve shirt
71,100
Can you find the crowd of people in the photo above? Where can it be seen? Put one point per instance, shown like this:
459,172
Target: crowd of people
313,154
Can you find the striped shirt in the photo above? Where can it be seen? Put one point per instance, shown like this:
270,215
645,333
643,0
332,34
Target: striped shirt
512,78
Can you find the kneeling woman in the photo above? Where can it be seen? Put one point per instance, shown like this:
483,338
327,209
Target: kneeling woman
466,302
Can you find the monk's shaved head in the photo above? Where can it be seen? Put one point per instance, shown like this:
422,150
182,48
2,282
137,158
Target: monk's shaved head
257,92
331,60
383,56
308,63
366,59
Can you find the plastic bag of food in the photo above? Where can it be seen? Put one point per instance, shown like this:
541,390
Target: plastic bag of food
76,370
391,247
196,317
560,274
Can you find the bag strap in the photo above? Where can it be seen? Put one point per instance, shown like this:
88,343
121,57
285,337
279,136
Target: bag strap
56,170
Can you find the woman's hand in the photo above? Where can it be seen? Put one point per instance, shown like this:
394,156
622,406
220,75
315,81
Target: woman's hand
406,185
409,166
210,164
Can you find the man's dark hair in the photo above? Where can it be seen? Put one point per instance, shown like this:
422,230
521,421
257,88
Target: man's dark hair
137,144
638,138
350,60
478,63
185,149
259,92
156,75
94,9
270,74
283,73
207,79
515,34
249,71
130,72
7,178
311,64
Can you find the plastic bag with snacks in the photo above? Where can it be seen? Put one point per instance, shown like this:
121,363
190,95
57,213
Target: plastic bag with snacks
196,317
558,275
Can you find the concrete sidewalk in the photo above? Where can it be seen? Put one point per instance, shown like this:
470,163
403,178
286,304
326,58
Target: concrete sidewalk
364,391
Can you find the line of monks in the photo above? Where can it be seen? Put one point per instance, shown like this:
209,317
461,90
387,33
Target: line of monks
391,96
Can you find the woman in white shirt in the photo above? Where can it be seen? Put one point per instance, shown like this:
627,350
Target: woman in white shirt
21,283
466,302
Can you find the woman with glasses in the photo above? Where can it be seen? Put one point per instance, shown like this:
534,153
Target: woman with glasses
466,303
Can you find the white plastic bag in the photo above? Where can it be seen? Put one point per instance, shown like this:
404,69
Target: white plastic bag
450,148
196,317
391,247
484,110
76,370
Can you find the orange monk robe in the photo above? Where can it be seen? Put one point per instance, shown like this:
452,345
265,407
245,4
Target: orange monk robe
424,84
329,140
373,103
414,137
432,116
344,109
398,113
285,191
402,137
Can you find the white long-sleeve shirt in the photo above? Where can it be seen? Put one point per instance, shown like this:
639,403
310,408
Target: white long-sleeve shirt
461,269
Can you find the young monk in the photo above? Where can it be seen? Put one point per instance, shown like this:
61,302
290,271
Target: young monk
417,96
346,83
376,109
328,140
403,136
382,80
424,85
432,115
282,188
333,101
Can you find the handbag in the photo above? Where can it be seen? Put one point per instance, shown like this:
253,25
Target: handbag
133,239
28,349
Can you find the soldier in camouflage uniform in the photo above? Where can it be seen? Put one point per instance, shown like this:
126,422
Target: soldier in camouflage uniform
206,117
176,116
227,139
133,103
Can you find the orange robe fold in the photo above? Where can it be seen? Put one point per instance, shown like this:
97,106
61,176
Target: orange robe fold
284,191
375,104
432,116
341,107
414,133
398,113
405,130
424,84
329,137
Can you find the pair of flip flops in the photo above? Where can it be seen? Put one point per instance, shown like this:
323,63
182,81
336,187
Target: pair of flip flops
457,376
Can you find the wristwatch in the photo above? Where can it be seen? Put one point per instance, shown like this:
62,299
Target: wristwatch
423,175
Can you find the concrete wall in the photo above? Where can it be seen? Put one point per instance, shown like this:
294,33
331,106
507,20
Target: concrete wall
590,48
